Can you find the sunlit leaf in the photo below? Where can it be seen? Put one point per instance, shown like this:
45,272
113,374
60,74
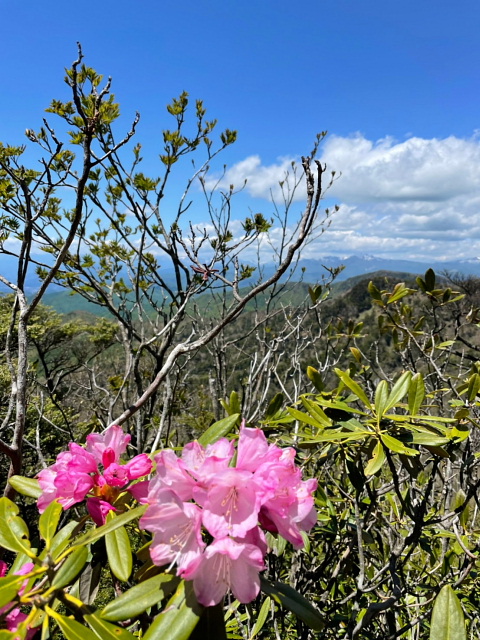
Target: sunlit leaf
218,430
448,622
139,598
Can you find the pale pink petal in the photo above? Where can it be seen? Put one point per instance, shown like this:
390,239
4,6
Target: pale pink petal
204,462
231,506
227,564
252,449
177,531
171,475
112,438
256,537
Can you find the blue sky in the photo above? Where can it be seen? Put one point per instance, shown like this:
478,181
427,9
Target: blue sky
396,84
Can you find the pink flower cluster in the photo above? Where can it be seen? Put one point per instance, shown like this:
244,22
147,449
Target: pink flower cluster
14,616
204,492
76,474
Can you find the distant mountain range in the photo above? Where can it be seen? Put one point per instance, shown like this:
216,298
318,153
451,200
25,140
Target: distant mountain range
309,270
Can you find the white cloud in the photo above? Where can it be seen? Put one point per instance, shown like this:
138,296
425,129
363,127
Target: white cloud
419,198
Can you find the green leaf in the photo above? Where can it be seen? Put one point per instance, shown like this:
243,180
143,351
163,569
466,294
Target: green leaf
294,602
26,486
99,532
106,630
429,279
274,406
354,387
119,551
61,539
399,390
304,417
13,530
139,598
70,568
218,430
339,436
180,617
376,461
448,622
8,635
399,291
316,411
416,393
315,377
48,522
71,629
375,293
395,445
381,395
473,387
262,617
9,587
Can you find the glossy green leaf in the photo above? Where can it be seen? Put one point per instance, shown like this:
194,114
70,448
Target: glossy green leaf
119,551
218,430
429,438
448,622
70,568
304,417
473,387
294,602
62,538
106,630
375,293
71,629
26,486
13,530
261,619
9,586
316,411
399,292
381,395
315,377
399,390
416,393
354,387
119,521
274,406
398,447
139,598
180,617
48,522
338,436
376,461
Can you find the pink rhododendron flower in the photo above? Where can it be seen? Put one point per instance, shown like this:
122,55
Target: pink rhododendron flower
177,531
263,490
227,564
113,441
15,617
76,475
231,504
